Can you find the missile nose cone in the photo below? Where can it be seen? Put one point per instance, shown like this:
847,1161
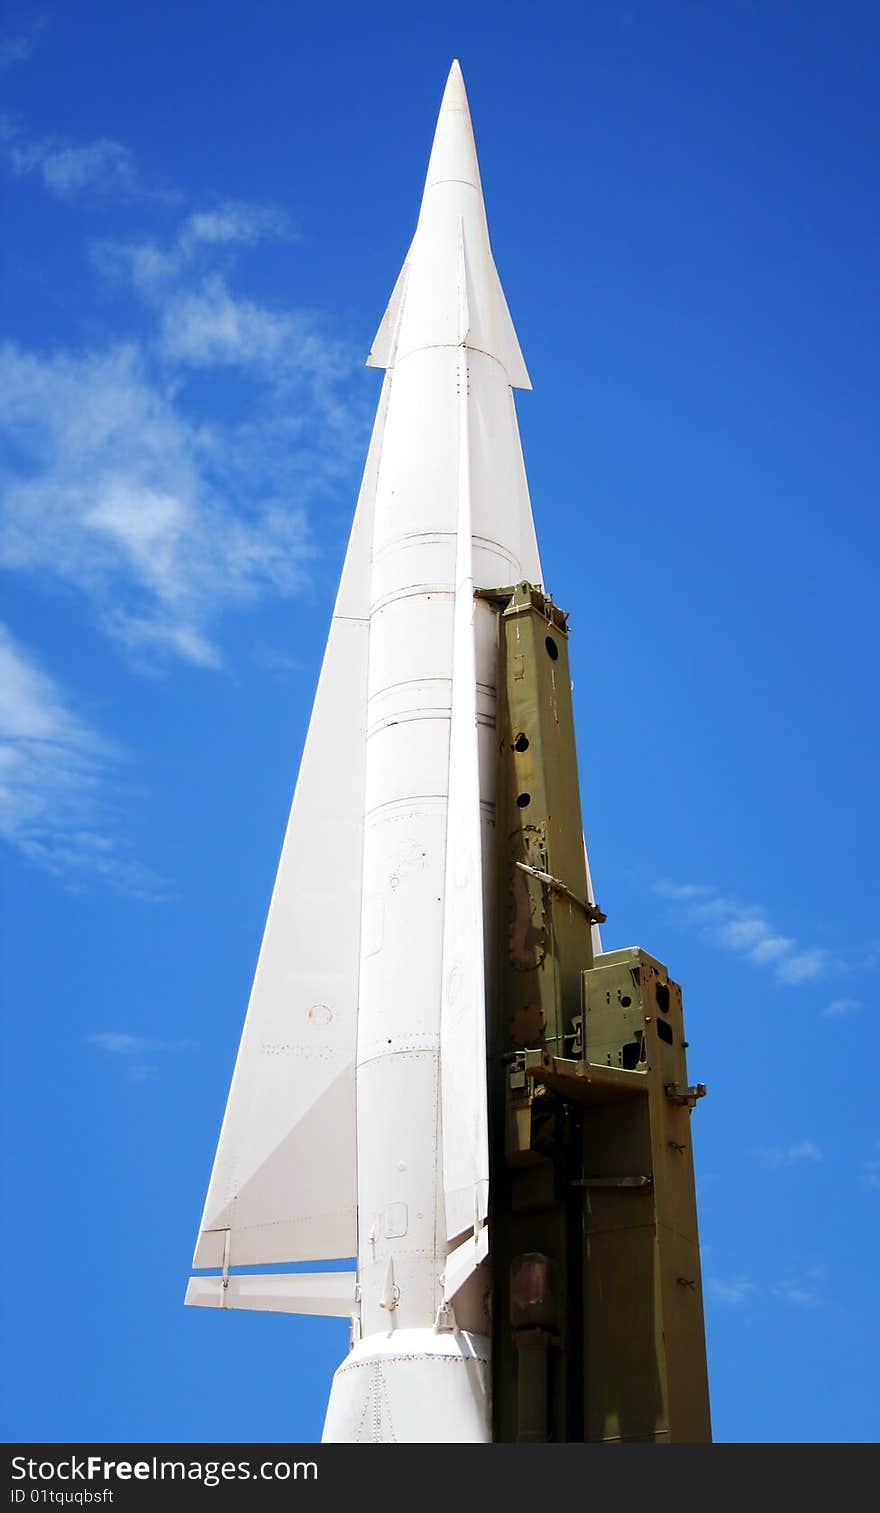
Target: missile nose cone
454,95
448,291
454,153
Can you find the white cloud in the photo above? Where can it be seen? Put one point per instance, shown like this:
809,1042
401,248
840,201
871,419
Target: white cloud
163,499
103,167
799,1292
121,1044
744,929
732,1293
153,270
131,1052
274,659
870,1168
791,1155
19,44
202,322
795,1292
235,221
210,327
770,947
743,935
120,494
52,770
682,892
122,481
842,1006
803,966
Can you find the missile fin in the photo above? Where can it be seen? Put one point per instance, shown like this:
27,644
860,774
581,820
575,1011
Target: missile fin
463,1261
330,1294
284,1182
384,348
505,341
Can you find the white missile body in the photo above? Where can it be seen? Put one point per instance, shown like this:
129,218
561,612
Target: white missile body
356,1123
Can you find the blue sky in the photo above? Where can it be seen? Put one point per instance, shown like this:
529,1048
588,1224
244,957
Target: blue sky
205,209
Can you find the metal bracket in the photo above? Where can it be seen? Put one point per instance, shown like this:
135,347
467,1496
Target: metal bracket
686,1097
593,913
499,598
445,1319
227,1247
390,1292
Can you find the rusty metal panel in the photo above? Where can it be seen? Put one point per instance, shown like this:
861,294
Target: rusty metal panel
544,943
644,1345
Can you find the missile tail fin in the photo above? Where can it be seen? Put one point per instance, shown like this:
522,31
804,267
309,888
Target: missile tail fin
284,1183
330,1294
384,347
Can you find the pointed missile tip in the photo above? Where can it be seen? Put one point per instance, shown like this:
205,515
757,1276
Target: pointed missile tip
455,95
454,153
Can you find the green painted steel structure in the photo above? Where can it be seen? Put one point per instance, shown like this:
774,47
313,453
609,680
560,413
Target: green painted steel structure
598,1330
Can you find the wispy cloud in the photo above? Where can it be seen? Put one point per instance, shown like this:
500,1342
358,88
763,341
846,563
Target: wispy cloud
870,1168
119,494
122,478
154,269
53,769
796,1291
840,1006
122,481
100,169
18,43
117,1043
104,166
802,966
121,484
791,1155
280,662
235,222
168,473
732,1293
202,322
136,1053
744,929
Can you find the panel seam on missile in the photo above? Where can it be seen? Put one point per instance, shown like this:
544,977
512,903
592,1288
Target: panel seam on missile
394,541
403,804
406,717
468,183
406,682
407,1055
452,346
420,591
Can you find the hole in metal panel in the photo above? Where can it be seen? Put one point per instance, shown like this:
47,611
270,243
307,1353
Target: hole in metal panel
630,1055
523,800
521,743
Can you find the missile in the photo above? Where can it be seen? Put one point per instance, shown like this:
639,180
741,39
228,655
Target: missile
415,1088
